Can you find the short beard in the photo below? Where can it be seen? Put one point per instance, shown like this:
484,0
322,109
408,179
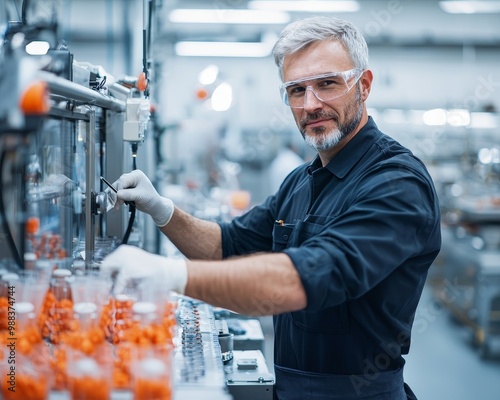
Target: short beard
322,141
325,142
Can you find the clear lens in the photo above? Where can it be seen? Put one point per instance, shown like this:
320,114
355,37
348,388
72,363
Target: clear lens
325,87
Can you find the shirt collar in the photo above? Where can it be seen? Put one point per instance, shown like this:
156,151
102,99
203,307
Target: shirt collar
351,153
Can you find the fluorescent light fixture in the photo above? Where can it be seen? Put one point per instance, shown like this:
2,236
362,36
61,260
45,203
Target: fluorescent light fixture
37,48
470,7
440,117
484,120
223,49
458,117
229,16
435,117
305,6
222,98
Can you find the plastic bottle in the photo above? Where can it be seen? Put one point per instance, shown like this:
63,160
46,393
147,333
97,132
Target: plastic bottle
89,357
56,315
30,261
152,366
117,319
32,369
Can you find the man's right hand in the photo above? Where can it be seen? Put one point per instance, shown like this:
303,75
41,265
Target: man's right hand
134,264
136,186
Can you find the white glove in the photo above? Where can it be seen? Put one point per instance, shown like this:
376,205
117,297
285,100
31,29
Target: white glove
134,264
137,187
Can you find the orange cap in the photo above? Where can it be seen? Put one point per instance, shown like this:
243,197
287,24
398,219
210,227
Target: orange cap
202,93
35,99
33,225
142,82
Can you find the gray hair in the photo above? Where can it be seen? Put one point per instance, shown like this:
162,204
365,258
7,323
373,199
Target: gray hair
300,34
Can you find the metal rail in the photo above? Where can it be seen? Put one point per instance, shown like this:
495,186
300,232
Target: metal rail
72,91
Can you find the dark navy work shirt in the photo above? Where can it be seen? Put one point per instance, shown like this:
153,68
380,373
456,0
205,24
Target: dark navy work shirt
362,233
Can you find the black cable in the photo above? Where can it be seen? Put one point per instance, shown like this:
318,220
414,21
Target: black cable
131,207
134,155
3,216
150,22
144,62
24,9
144,53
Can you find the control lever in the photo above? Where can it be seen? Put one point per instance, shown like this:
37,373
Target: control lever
114,190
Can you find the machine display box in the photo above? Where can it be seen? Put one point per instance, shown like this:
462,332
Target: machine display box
247,376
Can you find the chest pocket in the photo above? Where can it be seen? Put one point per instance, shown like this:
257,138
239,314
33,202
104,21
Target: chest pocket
282,236
305,230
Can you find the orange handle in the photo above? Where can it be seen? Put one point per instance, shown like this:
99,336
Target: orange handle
35,99
142,82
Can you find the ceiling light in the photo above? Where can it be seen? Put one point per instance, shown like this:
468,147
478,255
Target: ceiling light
470,7
435,117
458,117
307,6
222,98
223,49
37,48
483,120
229,16
208,75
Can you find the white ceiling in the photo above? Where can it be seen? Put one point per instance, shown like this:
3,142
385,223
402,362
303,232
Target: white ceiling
383,22
389,22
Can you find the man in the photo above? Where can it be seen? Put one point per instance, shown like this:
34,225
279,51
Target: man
338,255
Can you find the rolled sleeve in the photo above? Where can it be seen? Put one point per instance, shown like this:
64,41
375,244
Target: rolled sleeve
251,232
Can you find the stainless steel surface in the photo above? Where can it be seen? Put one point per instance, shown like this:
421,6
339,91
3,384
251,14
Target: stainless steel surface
253,336
248,377
117,161
198,355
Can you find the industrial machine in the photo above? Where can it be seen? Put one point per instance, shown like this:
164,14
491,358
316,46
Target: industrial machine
62,128
68,130
469,285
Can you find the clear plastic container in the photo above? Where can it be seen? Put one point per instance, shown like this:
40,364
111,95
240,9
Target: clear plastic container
90,359
118,319
31,377
56,315
152,365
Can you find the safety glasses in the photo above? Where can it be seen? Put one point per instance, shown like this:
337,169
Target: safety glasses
325,87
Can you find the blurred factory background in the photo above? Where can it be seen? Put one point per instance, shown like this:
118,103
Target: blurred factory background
434,72
218,126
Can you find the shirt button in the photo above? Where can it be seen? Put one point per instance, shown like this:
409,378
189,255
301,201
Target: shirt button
285,237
